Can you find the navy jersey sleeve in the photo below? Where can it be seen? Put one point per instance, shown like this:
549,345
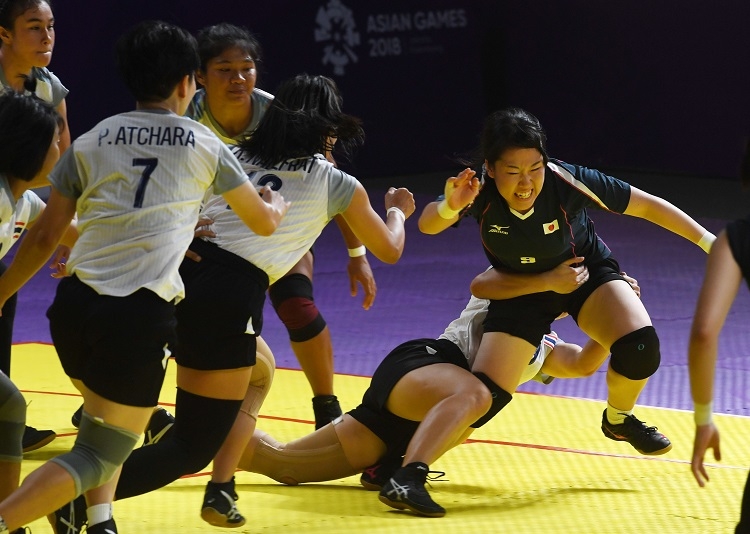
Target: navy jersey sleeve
583,188
738,234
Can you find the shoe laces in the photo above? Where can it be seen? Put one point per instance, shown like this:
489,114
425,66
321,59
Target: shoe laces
232,513
634,421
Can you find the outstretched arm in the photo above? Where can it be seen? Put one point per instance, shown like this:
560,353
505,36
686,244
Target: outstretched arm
668,216
384,239
460,191
720,286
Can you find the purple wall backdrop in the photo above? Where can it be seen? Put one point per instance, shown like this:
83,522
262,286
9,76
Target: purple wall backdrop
654,87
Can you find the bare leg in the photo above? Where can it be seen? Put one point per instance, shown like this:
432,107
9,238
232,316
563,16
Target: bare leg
611,312
228,457
337,450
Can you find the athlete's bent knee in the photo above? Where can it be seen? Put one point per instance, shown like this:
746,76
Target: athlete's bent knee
636,355
292,298
500,399
97,453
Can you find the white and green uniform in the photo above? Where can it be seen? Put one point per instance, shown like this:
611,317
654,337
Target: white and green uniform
199,111
48,86
317,191
139,178
15,215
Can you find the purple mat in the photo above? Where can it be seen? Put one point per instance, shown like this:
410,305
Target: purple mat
429,287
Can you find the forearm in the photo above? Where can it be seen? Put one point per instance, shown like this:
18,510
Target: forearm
702,354
669,217
32,254
496,285
432,222
351,240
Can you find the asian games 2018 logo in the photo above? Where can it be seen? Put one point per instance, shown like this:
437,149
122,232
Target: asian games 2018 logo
337,29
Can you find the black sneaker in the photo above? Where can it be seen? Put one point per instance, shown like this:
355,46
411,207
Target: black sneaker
160,423
374,477
405,491
218,508
108,527
76,417
34,439
69,519
645,439
326,408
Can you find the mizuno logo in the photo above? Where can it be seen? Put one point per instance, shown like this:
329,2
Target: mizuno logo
497,229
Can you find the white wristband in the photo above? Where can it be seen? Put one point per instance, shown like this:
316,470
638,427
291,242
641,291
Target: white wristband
706,241
396,210
702,413
357,252
445,211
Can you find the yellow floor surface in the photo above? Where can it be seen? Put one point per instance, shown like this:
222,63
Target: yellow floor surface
542,466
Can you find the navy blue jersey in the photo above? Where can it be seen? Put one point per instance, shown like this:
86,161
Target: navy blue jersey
557,228
738,235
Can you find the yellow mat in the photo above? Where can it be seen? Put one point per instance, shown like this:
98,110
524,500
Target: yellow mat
542,466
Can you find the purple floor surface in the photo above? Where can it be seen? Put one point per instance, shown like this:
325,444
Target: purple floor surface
429,286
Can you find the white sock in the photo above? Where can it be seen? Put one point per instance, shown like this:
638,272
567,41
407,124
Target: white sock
3,527
99,513
616,416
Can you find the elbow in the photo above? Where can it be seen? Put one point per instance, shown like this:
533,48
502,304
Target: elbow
391,256
426,228
265,230
476,288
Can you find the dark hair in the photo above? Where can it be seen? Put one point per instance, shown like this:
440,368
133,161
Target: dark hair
304,114
213,40
153,57
27,128
10,10
511,128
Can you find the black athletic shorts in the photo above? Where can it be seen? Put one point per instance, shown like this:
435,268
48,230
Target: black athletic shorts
116,345
530,316
396,432
222,312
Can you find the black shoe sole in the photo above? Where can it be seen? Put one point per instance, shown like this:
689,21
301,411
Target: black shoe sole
400,505
28,447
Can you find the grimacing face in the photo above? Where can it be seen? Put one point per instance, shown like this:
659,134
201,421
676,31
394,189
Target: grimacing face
519,176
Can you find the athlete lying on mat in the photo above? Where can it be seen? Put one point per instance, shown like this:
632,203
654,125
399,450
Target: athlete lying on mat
423,400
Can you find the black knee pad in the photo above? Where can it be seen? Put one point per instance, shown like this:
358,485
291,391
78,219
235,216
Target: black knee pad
500,399
636,355
292,298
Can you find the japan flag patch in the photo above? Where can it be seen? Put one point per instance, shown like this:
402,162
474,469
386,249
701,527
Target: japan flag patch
551,227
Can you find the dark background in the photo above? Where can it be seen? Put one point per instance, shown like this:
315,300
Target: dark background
651,87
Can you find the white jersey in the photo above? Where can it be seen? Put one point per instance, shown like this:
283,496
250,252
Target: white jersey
466,332
48,86
139,178
15,215
317,191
